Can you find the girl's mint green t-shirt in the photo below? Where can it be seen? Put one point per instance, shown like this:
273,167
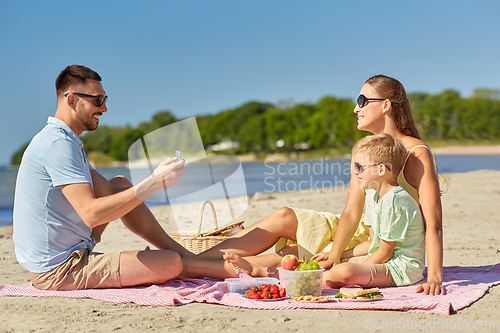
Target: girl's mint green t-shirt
397,218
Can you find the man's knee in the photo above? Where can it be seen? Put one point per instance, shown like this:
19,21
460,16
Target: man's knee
120,182
171,265
149,267
174,265
112,186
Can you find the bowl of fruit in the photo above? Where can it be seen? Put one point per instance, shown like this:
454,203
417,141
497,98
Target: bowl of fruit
300,278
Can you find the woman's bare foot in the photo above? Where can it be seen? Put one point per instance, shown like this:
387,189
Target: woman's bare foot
241,265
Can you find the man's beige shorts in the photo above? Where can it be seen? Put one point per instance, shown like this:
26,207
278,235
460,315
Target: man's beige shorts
82,270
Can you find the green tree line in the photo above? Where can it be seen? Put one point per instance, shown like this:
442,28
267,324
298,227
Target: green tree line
329,123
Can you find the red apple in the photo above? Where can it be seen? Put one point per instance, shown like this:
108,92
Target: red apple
289,262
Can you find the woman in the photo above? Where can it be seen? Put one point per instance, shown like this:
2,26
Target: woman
382,107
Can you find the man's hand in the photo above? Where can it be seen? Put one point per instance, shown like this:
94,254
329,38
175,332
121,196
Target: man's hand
431,288
166,175
168,172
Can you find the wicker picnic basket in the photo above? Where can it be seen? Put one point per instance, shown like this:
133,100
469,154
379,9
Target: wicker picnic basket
197,242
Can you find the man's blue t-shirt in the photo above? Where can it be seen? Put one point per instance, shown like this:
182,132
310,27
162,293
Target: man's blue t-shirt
46,227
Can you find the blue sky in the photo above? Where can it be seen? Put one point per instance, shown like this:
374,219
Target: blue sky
199,57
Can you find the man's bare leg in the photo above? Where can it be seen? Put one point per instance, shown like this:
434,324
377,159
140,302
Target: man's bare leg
140,220
199,268
258,237
149,267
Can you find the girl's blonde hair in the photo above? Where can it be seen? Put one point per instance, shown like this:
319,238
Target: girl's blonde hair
382,149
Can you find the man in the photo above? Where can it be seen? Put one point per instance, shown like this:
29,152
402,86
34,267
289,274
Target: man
62,205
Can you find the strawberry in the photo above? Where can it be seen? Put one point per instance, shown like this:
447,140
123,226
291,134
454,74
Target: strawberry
274,289
259,293
265,296
275,296
282,292
265,289
250,294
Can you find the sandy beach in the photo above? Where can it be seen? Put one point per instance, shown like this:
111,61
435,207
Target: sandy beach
471,238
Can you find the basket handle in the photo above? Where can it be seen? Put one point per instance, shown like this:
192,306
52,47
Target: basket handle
200,217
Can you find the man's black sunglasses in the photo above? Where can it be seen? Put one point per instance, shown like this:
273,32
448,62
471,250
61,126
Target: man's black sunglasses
362,100
100,99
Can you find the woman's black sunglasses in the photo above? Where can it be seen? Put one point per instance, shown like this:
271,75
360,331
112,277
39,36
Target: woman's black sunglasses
100,99
362,100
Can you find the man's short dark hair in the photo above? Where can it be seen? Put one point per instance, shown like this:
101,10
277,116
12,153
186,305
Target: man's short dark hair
74,75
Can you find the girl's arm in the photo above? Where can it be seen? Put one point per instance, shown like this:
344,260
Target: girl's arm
382,254
422,171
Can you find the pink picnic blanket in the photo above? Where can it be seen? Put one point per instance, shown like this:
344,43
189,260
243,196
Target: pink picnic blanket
464,286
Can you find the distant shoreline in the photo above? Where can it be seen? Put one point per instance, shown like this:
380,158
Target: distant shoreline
467,150
448,150
282,157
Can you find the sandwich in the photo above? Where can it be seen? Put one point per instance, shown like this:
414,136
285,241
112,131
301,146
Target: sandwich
358,293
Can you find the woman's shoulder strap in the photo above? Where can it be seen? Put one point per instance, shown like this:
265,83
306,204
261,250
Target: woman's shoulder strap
418,146
411,151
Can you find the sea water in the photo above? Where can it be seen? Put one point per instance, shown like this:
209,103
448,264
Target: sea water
274,177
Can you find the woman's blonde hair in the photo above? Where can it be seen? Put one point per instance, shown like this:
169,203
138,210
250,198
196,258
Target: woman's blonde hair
382,149
394,91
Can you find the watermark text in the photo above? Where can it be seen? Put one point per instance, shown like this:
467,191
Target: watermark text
431,324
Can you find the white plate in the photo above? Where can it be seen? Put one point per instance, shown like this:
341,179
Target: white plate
357,300
267,300
323,301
